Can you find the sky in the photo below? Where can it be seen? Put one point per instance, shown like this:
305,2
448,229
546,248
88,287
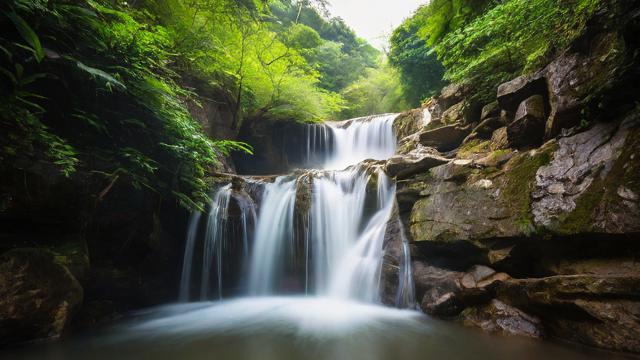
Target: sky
374,20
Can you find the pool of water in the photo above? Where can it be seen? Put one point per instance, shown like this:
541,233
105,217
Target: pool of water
283,328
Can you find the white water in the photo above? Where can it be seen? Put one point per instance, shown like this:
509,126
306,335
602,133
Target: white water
355,273
218,232
360,139
274,236
345,224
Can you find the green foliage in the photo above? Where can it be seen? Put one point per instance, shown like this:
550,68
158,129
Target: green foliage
484,43
92,88
421,72
327,44
441,17
379,91
27,35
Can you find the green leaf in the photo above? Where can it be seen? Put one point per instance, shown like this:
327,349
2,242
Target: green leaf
101,74
27,34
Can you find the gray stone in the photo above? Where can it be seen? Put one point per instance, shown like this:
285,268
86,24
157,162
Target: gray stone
498,317
527,128
445,138
416,161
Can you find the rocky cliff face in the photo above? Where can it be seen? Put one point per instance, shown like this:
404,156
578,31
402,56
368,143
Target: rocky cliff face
524,214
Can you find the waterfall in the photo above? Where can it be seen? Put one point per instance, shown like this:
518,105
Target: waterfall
360,139
405,297
187,263
219,230
357,273
273,236
343,213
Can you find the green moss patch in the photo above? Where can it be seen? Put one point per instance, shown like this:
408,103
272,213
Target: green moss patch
519,181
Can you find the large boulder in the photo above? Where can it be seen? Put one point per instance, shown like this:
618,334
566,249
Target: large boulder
596,310
454,114
578,74
38,297
445,138
451,94
527,128
514,92
416,161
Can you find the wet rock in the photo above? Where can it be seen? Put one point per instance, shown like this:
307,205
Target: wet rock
445,138
595,310
416,161
408,123
392,261
527,129
498,317
38,297
446,293
579,191
475,275
437,289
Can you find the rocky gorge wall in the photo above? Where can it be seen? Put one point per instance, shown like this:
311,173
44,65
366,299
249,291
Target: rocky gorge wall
523,214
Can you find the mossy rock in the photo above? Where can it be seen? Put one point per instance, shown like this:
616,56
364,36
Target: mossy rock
38,296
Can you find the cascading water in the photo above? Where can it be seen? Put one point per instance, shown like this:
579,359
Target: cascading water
274,236
356,140
220,229
342,243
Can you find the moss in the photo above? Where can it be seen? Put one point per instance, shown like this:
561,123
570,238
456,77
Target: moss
473,147
497,154
519,181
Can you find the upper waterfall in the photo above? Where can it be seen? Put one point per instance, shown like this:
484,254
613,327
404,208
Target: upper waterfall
335,145
361,139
